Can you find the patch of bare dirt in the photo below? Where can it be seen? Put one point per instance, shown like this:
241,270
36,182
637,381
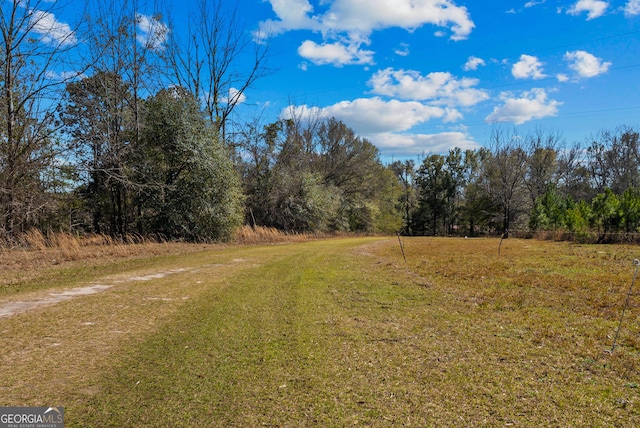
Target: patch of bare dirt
36,300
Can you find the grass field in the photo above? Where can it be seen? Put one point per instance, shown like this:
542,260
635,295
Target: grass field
335,332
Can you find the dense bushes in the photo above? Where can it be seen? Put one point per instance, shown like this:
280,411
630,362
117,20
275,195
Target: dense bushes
306,176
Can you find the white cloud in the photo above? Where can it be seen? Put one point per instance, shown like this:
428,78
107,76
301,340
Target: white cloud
64,75
292,14
153,33
528,106
50,29
632,8
441,88
534,3
366,16
586,64
337,53
235,96
374,115
529,67
389,124
594,8
407,145
355,20
473,63
356,16
403,50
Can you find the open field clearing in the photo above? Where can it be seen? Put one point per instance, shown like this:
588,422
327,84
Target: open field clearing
333,332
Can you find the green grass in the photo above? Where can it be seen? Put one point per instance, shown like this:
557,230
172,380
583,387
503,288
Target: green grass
278,343
343,332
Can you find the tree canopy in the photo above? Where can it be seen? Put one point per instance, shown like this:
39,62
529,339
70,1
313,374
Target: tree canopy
137,140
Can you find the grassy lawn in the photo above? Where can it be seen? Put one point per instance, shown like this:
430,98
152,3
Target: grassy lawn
337,333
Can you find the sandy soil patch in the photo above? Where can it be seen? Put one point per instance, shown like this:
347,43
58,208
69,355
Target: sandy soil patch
10,308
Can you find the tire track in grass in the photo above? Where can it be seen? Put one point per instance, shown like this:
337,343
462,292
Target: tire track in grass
57,353
324,335
274,347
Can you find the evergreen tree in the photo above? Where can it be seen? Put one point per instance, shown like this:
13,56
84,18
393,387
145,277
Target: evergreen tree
191,188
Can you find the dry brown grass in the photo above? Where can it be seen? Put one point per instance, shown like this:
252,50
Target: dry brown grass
247,235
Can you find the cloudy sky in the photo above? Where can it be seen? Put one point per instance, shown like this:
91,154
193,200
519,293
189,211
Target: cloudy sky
422,76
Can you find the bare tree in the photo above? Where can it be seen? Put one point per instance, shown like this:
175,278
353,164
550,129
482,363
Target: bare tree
35,53
627,145
573,174
542,152
504,173
130,44
219,60
405,171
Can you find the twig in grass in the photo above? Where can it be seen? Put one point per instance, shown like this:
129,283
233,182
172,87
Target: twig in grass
636,263
504,236
402,248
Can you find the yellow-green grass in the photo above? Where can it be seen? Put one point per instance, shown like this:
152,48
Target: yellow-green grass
341,332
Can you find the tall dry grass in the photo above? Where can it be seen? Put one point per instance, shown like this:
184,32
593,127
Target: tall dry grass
69,246
27,255
248,235
35,239
35,249
24,255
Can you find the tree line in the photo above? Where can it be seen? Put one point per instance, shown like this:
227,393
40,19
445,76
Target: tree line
138,140
526,184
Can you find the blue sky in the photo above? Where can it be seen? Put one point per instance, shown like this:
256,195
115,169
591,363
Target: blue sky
422,76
